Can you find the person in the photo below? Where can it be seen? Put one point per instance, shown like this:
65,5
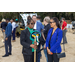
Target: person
13,29
53,40
18,31
64,28
0,24
3,26
28,18
27,43
39,27
39,18
44,34
8,33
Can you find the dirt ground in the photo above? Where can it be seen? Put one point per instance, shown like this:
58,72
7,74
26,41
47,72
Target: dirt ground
17,50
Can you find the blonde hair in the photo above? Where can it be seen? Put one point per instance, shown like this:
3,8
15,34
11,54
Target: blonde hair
3,20
47,19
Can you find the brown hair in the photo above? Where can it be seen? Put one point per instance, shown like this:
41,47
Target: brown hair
29,21
56,21
63,19
29,17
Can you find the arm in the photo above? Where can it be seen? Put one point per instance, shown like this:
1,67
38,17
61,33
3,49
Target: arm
65,25
47,28
47,40
13,26
56,45
22,40
9,31
25,44
1,25
42,27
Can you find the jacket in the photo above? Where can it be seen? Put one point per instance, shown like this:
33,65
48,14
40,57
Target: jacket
45,32
8,30
26,42
39,26
55,40
3,25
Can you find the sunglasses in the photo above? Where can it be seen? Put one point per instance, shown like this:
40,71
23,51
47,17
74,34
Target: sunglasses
51,22
32,23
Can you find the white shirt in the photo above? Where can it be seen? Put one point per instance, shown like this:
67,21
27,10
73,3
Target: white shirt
13,25
35,26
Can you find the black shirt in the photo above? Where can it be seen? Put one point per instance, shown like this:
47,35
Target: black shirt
45,32
3,25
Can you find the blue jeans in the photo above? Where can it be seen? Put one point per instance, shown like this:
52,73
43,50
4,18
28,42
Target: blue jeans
39,53
13,34
45,52
8,44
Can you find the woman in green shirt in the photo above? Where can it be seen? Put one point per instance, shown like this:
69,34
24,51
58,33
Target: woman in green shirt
27,43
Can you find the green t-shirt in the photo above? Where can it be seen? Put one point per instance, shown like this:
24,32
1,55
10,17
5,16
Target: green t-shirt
31,31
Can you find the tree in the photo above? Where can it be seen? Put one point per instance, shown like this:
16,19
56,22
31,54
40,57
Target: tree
66,15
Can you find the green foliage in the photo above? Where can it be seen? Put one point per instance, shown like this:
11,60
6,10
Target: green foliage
8,15
66,15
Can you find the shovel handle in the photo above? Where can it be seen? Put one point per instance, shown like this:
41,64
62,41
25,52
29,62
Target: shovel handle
35,52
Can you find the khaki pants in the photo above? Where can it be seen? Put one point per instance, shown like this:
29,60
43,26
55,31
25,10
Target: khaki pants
4,35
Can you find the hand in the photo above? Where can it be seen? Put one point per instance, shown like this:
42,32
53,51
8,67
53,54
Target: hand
33,46
12,31
3,30
48,51
6,39
35,43
44,46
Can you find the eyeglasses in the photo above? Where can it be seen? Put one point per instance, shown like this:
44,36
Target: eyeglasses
32,23
51,22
